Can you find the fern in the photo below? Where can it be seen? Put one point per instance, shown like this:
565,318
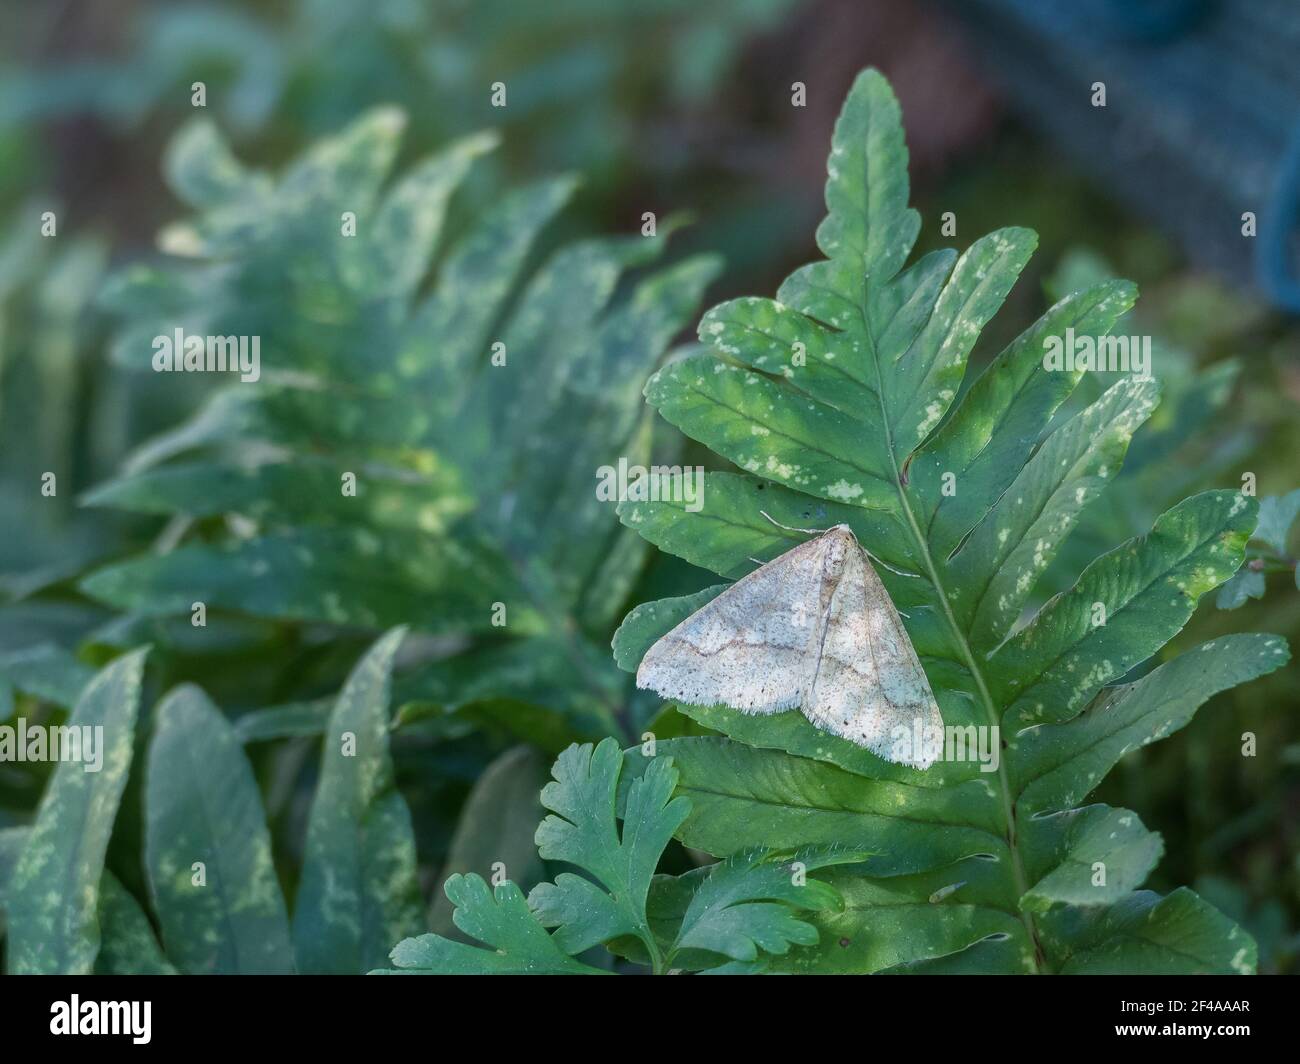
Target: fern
570,67
840,401
1277,517
207,854
845,400
473,516
1190,442
723,913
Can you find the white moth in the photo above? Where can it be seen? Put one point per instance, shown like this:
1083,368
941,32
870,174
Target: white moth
813,629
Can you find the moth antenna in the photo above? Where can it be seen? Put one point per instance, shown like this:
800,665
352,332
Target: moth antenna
807,531
757,561
880,561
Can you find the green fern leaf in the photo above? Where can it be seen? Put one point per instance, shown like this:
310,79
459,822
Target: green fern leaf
844,400
732,909
202,804
52,907
430,370
358,892
582,831
498,918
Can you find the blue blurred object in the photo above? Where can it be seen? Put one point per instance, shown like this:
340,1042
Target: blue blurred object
1202,115
1152,20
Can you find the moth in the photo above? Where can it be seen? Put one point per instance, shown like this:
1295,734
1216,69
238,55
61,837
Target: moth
813,629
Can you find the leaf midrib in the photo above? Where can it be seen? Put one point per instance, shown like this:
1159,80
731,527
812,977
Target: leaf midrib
1004,783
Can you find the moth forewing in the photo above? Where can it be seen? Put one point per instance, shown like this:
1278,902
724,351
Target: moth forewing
837,683
813,628
867,685
747,647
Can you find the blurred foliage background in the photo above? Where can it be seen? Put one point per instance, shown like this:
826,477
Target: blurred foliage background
681,107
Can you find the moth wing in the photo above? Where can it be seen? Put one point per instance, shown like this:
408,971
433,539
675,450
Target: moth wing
747,647
867,682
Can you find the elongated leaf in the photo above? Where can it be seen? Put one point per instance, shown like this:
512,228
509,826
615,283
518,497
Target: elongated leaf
12,841
207,848
1146,934
742,798
54,891
1096,856
306,488
1125,606
1011,547
1009,406
128,945
358,893
338,576
393,253
127,942
1059,764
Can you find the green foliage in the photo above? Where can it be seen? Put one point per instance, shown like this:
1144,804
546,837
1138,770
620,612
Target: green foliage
127,943
48,335
474,490
581,832
570,65
500,919
53,892
207,851
375,362
1189,442
204,808
729,910
1277,516
840,401
473,514
496,828
750,902
358,893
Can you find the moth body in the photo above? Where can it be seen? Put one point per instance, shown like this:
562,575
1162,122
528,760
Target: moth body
813,629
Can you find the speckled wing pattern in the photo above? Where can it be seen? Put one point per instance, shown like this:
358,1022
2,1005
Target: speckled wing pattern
813,629
866,684
747,648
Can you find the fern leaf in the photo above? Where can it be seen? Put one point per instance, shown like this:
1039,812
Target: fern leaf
843,401
420,359
727,911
